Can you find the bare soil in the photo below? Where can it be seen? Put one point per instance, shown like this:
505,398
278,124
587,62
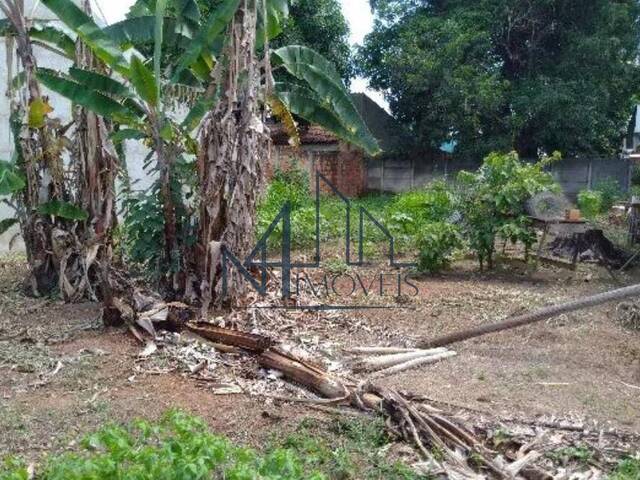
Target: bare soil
584,367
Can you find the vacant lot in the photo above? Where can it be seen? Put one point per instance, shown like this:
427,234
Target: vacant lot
62,374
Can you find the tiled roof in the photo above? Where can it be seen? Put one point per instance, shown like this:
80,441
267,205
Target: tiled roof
309,135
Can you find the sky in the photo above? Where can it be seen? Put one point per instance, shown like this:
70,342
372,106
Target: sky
357,12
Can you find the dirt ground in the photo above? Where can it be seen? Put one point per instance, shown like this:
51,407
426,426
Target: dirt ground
62,374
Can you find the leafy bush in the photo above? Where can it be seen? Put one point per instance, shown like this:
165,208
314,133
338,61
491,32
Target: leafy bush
288,186
493,201
141,234
590,203
293,185
611,192
409,213
436,242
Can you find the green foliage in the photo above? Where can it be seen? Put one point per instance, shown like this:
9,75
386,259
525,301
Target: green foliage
142,231
628,469
323,87
507,74
141,234
349,450
208,34
493,201
320,25
87,30
7,223
590,203
409,213
84,92
436,243
64,210
180,446
571,454
610,191
293,185
144,81
12,468
11,180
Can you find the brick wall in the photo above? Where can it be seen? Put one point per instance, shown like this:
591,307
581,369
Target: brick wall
341,164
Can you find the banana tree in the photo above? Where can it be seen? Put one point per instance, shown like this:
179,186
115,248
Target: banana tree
60,241
227,60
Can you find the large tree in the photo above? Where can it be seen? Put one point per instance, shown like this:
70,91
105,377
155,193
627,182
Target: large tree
536,76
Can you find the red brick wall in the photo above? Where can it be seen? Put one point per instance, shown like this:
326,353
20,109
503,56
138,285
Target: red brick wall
344,167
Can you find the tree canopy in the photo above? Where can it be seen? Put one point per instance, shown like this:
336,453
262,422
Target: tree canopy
317,24
320,25
536,76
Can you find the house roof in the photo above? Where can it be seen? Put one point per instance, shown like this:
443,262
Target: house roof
383,126
309,135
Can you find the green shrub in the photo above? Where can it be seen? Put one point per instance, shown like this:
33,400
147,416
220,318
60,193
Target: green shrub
293,186
493,201
611,192
179,446
436,243
410,212
590,203
288,186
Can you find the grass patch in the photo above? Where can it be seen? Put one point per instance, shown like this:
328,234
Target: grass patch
566,455
628,469
182,446
348,448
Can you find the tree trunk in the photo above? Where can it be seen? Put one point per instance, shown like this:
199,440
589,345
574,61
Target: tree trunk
234,149
536,316
39,153
95,164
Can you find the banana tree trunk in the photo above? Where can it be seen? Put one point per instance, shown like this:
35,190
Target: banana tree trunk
234,148
39,157
95,164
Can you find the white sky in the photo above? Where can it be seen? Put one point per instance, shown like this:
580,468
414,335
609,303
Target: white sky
357,12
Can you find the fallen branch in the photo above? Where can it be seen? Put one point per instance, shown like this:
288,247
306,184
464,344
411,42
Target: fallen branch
420,426
379,350
415,363
532,317
248,341
384,361
304,373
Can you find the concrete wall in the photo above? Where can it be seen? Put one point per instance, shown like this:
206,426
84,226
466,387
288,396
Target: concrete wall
402,174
